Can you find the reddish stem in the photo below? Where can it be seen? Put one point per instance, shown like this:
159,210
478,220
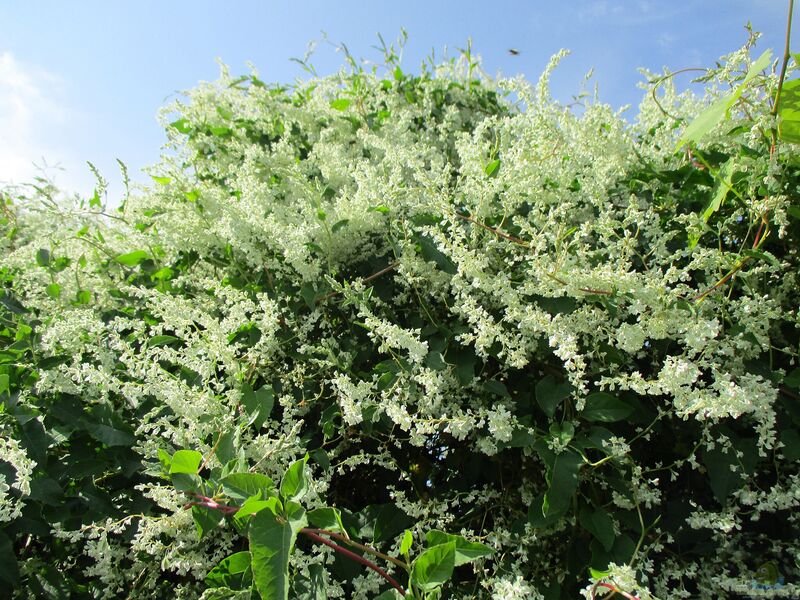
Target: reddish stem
764,223
355,557
614,589
207,502
361,547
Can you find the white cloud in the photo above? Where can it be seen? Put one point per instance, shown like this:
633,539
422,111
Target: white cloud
32,112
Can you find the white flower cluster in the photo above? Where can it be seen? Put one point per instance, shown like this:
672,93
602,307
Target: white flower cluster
513,588
416,280
11,503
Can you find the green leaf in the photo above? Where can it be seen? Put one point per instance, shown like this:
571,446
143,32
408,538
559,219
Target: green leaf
163,274
719,110
181,125
604,407
161,180
205,520
723,187
271,542
326,518
761,63
165,460
765,256
220,131
294,485
549,394
341,104
789,113
230,572
83,297
599,524
163,340
562,479
563,433
43,257
53,290
61,263
705,121
297,517
94,201
131,259
258,403
391,594
598,574
254,505
185,461
434,567
466,551
408,539
241,486
339,224
493,168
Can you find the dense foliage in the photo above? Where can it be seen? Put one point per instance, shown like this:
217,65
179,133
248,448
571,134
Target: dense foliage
556,348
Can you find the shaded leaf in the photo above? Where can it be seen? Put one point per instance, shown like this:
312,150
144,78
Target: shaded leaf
241,486
604,407
230,571
258,403
549,394
205,520
599,524
9,569
326,518
562,480
43,257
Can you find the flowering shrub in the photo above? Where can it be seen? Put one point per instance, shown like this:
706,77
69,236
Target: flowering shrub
493,346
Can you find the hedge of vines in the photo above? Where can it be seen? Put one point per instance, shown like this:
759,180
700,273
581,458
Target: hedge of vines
433,335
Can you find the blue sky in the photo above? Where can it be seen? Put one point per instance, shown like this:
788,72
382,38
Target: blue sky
83,80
